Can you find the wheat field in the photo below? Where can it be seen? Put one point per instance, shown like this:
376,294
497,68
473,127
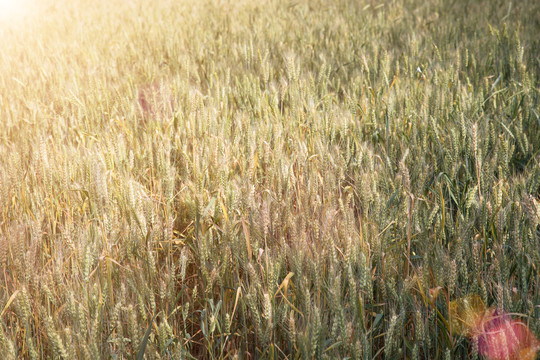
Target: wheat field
234,179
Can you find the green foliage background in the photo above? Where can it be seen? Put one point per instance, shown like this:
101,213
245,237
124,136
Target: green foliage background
266,179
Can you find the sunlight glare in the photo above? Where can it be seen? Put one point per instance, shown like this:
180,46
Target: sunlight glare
12,9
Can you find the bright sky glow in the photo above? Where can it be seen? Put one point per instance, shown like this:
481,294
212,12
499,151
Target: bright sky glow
13,9
8,6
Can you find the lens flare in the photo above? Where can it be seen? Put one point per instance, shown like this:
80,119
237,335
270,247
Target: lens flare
499,336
